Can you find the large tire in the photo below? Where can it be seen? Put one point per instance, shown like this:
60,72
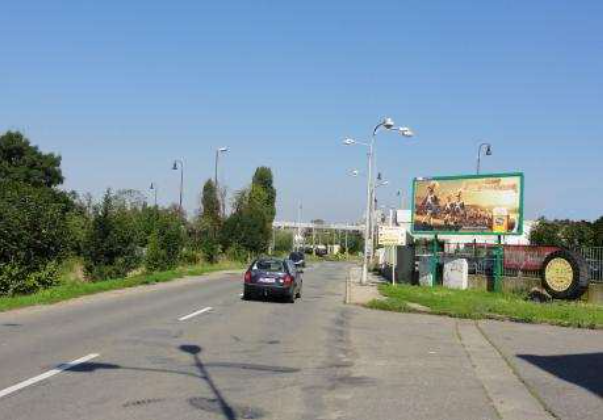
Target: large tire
564,275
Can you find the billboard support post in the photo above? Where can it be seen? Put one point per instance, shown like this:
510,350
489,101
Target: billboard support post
498,267
434,261
394,248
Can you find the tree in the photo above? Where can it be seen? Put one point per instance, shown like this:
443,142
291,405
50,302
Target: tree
546,232
283,241
577,234
210,222
22,162
263,179
110,249
34,236
166,242
563,233
598,231
248,230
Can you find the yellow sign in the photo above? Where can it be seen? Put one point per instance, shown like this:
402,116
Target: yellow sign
559,274
392,235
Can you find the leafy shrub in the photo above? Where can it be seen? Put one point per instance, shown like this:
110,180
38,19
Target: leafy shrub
110,249
20,280
33,236
165,243
189,256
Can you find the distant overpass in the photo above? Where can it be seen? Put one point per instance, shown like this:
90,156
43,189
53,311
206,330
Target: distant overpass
317,226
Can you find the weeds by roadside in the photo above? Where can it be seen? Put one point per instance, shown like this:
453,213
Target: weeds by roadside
70,288
477,304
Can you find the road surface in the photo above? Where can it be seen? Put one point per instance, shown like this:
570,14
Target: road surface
192,349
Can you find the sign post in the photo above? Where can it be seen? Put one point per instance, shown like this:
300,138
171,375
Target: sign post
434,261
498,265
392,237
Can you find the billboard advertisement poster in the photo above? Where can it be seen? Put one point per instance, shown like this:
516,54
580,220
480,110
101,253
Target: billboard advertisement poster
489,204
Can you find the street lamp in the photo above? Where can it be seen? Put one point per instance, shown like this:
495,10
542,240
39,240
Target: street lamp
218,151
153,187
222,199
388,124
488,152
179,164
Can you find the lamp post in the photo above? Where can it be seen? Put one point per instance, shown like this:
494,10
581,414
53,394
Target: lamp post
488,152
388,124
222,199
218,151
179,164
153,187
299,230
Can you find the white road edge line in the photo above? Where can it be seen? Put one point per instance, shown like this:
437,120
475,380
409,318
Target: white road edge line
46,375
199,312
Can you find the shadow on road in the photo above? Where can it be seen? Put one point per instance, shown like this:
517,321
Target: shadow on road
583,370
228,412
218,404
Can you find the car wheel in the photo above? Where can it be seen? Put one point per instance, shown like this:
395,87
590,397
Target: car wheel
291,298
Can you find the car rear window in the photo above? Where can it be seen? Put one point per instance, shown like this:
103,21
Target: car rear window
273,266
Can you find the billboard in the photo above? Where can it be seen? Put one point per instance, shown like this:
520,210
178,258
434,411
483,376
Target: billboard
470,204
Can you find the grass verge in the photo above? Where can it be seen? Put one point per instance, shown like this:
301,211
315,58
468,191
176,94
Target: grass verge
73,289
477,304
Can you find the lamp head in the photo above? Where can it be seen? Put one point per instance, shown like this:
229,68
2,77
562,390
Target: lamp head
388,123
488,150
175,166
223,149
349,142
406,132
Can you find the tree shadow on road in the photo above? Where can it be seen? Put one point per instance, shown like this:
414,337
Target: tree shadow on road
583,370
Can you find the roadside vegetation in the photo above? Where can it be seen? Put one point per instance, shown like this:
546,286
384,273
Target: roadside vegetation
55,245
74,288
477,304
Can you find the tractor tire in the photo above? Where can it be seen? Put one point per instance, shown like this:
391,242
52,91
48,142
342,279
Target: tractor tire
564,275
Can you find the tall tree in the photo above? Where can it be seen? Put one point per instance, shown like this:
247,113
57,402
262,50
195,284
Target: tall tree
210,206
210,221
23,162
598,231
263,178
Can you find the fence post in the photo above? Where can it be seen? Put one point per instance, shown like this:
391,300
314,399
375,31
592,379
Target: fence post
434,261
498,266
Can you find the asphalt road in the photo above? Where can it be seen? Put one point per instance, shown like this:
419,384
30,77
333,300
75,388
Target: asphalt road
158,353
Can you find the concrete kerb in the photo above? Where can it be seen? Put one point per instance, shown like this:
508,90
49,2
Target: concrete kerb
360,294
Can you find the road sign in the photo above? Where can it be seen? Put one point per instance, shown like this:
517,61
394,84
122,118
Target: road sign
392,235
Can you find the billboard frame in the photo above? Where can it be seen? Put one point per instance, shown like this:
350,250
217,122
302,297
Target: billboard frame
474,176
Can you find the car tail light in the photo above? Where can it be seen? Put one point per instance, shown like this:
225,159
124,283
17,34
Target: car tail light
287,280
248,277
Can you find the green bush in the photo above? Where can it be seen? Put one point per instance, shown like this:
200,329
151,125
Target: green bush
20,280
189,256
110,248
33,236
165,243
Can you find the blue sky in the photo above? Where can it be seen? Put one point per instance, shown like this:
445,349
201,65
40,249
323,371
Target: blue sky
120,89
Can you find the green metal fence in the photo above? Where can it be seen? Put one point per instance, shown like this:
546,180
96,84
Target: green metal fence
515,261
